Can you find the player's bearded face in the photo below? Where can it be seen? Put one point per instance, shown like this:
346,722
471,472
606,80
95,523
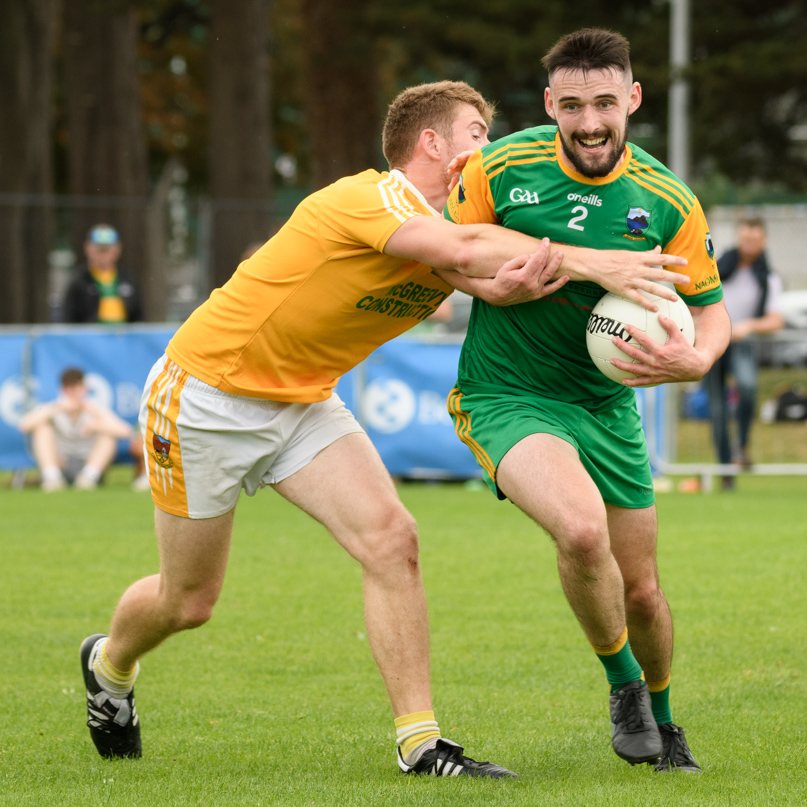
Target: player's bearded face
595,153
592,110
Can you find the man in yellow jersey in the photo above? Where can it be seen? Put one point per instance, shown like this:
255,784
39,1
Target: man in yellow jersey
244,399
554,435
101,291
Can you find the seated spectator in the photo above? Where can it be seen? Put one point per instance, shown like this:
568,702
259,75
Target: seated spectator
74,440
101,291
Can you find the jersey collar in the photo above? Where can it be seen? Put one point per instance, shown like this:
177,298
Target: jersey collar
401,177
572,174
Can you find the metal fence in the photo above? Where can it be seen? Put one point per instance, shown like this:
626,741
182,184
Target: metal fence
779,433
177,244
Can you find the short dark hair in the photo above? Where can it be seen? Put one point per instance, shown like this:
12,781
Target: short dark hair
426,106
589,49
71,377
753,222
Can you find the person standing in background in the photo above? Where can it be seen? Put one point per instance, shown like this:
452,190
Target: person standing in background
752,293
101,291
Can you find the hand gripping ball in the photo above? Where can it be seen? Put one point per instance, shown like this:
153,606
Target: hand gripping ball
612,313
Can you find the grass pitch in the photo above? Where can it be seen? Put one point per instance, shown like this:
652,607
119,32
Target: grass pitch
277,701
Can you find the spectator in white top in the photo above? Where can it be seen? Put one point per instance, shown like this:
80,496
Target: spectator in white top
74,440
752,294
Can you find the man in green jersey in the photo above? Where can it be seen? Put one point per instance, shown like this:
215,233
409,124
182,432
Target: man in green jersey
555,436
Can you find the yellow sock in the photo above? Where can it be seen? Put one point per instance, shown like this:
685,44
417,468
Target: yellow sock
414,730
117,683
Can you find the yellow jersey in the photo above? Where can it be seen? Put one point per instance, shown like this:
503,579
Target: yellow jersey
317,298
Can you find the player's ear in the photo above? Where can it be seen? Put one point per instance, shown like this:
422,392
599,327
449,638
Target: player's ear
634,97
429,142
549,104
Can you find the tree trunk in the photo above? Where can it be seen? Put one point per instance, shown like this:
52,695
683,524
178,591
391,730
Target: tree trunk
107,156
27,32
341,89
240,131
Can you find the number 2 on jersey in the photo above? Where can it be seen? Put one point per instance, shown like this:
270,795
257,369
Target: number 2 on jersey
582,212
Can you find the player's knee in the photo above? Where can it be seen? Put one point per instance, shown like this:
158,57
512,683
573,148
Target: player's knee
391,543
642,599
584,540
192,611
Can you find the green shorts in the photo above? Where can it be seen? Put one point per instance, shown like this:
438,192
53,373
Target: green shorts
611,444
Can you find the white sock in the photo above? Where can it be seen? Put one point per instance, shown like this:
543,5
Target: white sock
416,753
51,472
91,472
111,680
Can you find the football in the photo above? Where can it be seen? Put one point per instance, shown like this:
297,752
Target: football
613,312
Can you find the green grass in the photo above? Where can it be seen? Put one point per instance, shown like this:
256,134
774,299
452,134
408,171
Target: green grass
277,700
770,442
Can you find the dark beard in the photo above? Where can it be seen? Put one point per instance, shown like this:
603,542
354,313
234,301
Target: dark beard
603,169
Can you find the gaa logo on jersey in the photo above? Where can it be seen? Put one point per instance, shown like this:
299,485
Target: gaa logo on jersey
710,247
638,220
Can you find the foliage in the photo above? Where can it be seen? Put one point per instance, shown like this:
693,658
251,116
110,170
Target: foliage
749,73
174,81
750,91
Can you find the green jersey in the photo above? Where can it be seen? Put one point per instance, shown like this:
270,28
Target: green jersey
521,183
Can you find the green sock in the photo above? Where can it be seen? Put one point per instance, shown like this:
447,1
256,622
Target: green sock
620,664
660,697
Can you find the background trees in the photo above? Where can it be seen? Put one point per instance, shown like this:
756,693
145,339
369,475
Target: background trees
27,32
227,112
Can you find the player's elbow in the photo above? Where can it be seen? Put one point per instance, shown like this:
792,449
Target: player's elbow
468,259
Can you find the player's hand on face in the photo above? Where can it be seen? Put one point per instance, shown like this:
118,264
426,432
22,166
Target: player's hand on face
528,277
456,167
627,273
657,363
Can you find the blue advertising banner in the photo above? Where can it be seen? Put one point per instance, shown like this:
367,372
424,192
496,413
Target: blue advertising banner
13,396
399,396
115,362
398,393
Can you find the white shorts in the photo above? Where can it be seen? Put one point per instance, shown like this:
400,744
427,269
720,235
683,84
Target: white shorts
203,445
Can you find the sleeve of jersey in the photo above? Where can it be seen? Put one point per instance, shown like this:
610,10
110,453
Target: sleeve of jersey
694,242
471,201
368,212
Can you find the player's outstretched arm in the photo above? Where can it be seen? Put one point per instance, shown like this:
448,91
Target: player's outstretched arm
525,278
625,272
677,360
480,250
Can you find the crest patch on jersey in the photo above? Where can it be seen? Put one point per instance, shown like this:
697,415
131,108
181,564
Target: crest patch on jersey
710,247
461,191
162,448
638,220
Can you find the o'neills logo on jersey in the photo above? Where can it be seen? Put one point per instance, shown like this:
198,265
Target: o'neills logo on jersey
592,199
599,324
519,195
